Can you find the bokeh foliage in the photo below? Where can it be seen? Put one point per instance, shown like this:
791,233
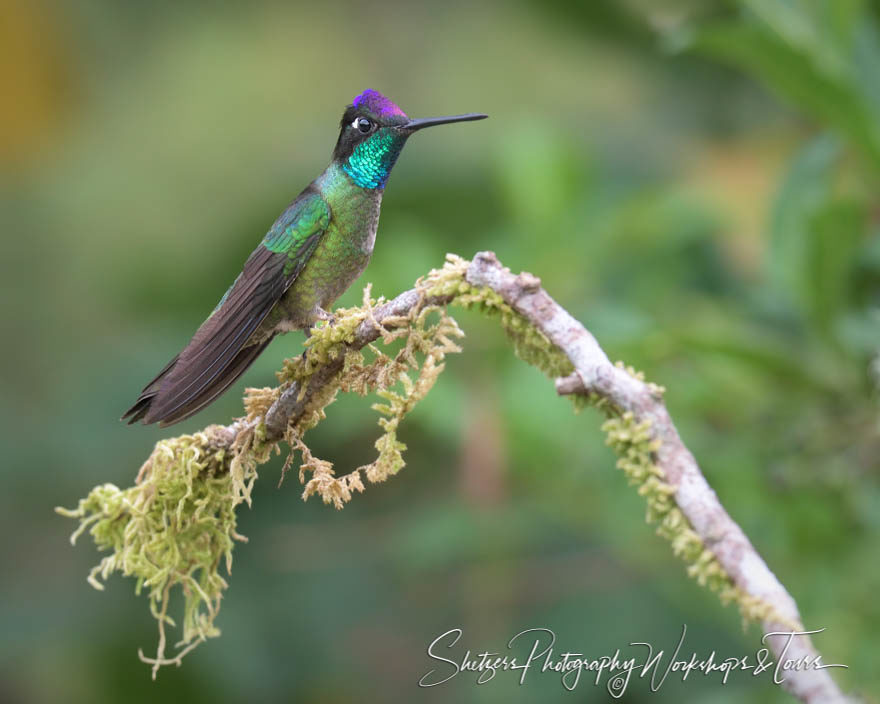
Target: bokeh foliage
695,181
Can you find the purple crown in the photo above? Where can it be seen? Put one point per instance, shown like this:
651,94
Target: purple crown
378,104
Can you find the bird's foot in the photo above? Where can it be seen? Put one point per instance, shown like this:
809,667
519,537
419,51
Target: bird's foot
322,315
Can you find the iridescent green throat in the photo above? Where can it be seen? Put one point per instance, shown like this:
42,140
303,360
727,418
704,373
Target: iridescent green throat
372,160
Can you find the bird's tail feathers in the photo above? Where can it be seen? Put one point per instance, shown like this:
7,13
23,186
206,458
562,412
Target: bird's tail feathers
158,402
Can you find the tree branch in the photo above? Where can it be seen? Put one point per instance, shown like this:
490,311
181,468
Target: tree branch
289,407
224,458
693,495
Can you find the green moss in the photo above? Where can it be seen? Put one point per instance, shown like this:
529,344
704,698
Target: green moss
530,344
636,448
174,528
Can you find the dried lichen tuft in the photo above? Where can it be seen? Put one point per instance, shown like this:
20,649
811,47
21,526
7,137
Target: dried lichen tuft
422,340
174,527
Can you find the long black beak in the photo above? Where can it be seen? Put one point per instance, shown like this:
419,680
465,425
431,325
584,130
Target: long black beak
431,121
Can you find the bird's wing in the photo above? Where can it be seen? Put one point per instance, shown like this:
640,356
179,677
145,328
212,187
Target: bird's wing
215,353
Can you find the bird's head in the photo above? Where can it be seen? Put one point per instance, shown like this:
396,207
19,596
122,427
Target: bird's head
372,133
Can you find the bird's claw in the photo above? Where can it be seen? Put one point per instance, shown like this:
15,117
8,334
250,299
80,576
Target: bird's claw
328,317
322,315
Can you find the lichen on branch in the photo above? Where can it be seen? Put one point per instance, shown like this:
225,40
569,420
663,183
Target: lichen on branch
176,526
422,339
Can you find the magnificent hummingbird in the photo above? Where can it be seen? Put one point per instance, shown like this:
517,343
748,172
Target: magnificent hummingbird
312,253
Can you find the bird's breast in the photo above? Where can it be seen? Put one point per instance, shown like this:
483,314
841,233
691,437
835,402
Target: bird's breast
340,257
355,220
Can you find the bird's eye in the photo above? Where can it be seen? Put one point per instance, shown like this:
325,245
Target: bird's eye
362,125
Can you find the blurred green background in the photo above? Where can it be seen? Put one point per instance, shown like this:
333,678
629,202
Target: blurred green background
696,181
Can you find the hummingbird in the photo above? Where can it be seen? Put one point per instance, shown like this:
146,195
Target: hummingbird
312,253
